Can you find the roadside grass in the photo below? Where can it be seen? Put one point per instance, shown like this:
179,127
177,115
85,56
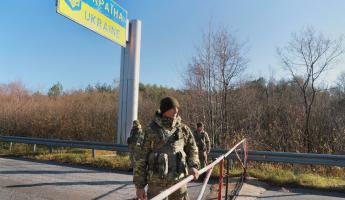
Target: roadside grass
305,176
103,159
115,161
325,178
4,148
319,177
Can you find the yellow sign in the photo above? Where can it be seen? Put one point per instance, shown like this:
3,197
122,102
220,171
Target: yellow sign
102,16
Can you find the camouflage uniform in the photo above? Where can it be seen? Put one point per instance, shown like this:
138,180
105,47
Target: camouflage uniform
168,151
135,141
203,142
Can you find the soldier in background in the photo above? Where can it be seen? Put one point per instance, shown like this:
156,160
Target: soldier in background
169,153
203,142
135,140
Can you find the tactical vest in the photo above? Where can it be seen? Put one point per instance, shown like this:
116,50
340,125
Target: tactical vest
167,159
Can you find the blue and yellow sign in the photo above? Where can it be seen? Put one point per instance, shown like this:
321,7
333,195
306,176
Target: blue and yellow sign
102,16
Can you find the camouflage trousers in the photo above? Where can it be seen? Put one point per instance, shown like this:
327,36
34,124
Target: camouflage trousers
156,186
202,159
133,156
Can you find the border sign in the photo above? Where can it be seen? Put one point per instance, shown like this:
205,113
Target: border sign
104,17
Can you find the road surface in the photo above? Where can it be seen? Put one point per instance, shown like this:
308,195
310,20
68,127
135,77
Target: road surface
257,190
23,179
300,194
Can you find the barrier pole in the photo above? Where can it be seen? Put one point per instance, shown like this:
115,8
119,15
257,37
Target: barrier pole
245,147
178,185
227,178
221,179
205,183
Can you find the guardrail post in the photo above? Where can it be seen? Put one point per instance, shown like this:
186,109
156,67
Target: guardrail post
93,153
34,148
221,179
11,144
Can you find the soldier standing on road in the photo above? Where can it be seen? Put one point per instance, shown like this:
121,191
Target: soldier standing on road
169,153
203,142
135,141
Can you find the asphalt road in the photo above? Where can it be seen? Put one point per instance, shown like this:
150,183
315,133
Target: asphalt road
254,189
300,194
23,179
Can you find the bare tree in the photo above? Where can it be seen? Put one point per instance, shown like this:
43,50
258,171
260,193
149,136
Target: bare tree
230,62
218,60
201,78
306,57
341,82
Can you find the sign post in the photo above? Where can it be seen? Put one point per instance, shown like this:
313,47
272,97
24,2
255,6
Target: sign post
129,82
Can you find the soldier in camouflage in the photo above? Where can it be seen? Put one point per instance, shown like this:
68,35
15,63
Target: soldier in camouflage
135,141
203,142
169,153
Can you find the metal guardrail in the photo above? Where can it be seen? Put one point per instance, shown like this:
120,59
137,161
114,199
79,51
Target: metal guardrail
291,157
66,143
266,156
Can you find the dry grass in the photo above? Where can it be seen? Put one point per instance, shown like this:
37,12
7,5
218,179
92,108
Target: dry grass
305,176
78,116
104,159
119,162
328,178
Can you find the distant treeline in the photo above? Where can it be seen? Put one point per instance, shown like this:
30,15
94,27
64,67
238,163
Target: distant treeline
269,113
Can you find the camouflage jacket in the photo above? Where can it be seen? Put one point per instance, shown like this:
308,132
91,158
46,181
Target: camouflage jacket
176,143
136,138
202,140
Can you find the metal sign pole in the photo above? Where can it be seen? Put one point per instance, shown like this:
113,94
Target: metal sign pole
129,82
